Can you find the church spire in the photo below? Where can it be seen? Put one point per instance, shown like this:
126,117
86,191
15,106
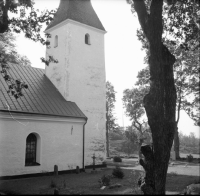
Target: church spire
77,10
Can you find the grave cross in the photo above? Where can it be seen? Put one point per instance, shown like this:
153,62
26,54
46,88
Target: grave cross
93,157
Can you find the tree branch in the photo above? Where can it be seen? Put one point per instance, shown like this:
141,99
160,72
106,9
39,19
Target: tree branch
143,16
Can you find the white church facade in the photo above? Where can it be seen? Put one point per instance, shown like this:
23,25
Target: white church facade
60,120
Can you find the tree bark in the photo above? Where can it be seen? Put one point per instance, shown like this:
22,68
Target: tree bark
160,102
176,144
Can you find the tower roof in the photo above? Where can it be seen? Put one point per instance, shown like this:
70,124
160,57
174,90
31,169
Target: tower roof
77,10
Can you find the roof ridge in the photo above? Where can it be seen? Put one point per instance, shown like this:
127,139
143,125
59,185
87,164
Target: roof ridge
30,67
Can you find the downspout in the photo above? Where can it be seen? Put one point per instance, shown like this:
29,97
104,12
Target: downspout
84,145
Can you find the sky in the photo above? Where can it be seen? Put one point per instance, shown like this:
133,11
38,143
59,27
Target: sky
123,54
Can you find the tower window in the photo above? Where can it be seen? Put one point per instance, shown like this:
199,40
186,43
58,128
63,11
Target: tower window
87,39
56,41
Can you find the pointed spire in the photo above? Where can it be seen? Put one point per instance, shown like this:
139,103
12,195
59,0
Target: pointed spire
77,10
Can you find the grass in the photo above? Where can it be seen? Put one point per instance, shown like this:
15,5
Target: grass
87,183
83,183
178,183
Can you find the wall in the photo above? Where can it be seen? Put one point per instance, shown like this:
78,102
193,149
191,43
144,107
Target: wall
80,77
59,144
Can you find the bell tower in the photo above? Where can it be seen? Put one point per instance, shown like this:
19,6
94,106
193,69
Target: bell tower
77,42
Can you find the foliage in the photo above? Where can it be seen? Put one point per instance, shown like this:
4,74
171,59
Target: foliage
188,143
110,101
104,180
115,136
160,102
186,73
128,147
117,159
183,42
110,119
9,56
189,140
21,16
189,158
117,172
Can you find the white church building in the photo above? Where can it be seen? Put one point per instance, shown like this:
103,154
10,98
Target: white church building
61,119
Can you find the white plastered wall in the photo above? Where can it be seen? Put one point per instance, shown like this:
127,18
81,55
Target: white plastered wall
79,75
58,144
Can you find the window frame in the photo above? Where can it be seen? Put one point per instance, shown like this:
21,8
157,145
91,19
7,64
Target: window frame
56,41
31,150
87,39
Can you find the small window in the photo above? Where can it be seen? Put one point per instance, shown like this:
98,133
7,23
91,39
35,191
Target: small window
31,149
56,41
87,39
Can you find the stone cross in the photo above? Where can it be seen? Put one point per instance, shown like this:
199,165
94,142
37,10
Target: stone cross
93,157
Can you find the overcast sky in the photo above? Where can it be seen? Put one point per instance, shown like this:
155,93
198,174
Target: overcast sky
123,55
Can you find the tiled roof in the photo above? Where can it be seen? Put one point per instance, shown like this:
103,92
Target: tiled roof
41,97
77,10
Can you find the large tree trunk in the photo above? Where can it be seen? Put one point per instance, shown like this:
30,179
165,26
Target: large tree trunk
176,143
160,102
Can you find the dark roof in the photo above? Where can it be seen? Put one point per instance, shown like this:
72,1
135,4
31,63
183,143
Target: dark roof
78,10
41,97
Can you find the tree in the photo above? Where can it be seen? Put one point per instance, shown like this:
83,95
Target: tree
133,102
110,119
160,102
186,72
134,139
130,144
9,52
20,16
9,55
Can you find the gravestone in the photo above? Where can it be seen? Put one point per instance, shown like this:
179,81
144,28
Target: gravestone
55,170
77,170
56,192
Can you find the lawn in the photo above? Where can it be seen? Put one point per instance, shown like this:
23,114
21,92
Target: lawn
87,183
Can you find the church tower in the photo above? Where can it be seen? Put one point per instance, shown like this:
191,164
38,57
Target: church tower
77,42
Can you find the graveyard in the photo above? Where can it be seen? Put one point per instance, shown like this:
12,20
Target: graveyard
179,177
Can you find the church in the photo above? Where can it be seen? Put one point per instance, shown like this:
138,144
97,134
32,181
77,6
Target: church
61,119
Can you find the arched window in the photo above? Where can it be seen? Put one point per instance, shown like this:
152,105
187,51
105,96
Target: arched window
31,150
56,41
87,39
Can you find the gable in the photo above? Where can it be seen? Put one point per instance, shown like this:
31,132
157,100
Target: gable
41,97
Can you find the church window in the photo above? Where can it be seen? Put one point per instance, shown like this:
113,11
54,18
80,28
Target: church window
31,150
87,39
56,41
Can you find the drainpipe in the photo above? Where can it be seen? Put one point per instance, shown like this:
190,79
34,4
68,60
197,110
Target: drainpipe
84,145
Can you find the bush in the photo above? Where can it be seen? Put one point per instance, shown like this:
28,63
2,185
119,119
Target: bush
189,158
117,172
115,136
104,180
117,159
